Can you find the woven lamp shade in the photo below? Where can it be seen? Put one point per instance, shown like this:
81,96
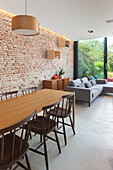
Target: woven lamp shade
25,25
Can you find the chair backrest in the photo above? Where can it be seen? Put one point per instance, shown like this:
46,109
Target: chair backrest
29,90
67,101
7,95
46,110
16,130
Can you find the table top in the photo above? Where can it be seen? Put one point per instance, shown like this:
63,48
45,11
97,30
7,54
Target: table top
14,110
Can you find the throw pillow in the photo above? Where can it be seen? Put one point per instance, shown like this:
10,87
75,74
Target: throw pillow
93,82
89,77
84,80
88,85
75,83
94,77
81,85
70,84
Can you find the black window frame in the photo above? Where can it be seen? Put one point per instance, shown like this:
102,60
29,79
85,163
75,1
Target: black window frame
76,59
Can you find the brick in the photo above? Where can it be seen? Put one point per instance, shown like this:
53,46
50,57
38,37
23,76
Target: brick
23,60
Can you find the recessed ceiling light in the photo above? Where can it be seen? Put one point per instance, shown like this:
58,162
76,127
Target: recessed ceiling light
109,21
90,31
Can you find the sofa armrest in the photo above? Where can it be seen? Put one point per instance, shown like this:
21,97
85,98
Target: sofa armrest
101,81
81,94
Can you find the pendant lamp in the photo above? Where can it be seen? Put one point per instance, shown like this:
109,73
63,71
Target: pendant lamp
25,24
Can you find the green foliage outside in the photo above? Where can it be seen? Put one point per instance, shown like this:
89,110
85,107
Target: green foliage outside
91,58
110,74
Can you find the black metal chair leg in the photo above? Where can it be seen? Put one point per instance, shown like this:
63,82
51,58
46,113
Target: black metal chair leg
27,161
46,156
72,124
64,131
57,140
57,122
40,138
30,136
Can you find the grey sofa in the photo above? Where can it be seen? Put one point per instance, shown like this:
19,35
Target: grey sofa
87,95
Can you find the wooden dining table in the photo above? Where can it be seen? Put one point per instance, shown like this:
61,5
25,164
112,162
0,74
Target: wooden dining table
16,109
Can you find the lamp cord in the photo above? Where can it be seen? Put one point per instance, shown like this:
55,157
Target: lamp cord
25,7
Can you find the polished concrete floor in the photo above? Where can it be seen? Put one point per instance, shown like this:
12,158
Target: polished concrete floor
92,146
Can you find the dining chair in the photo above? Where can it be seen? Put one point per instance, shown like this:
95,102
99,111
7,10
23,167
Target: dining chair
7,95
29,90
14,144
43,126
64,111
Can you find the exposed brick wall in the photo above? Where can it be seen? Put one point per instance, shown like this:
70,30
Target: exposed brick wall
23,60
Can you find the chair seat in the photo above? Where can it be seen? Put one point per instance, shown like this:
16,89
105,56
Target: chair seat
59,115
37,125
8,148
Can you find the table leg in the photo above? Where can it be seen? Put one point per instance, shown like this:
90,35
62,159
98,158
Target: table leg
74,110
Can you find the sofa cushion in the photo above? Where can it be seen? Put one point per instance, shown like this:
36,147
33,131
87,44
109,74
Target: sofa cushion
84,80
93,82
88,85
108,88
92,77
75,83
81,85
89,77
97,87
95,93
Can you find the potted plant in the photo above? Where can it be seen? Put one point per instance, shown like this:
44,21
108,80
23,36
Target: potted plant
61,74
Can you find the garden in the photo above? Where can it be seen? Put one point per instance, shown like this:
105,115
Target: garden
91,59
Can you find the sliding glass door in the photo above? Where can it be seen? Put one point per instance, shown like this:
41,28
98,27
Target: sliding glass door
110,58
91,58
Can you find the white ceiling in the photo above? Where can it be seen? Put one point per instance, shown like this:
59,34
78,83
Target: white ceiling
70,18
